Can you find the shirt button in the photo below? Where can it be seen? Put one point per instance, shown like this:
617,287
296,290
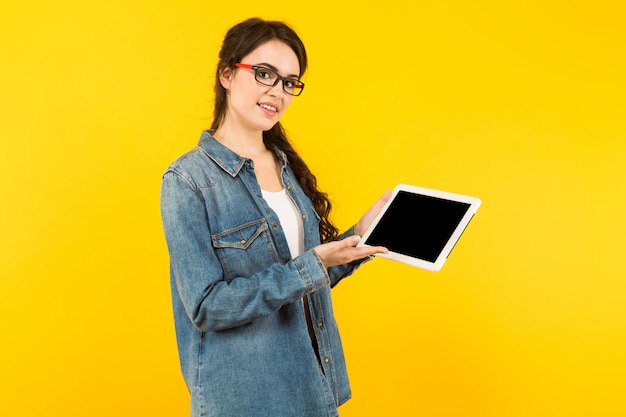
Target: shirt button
275,225
326,360
320,324
304,216
289,187
243,241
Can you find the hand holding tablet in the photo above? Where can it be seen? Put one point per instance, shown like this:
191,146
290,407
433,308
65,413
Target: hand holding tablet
420,226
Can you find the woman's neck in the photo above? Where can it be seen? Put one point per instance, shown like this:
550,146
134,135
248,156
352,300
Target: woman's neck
243,142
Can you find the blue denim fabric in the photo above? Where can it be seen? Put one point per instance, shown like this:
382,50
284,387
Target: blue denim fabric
241,330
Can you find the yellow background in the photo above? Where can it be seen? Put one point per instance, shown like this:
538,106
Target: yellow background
519,103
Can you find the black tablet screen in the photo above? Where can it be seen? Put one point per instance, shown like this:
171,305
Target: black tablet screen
418,225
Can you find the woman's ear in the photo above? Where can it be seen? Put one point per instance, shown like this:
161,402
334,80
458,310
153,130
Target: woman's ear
225,76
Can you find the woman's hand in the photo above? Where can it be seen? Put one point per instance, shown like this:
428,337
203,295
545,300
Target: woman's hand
371,214
344,251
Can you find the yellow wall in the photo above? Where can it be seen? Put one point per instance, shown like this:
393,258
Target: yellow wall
519,103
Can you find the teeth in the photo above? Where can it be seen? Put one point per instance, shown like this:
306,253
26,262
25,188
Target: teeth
267,106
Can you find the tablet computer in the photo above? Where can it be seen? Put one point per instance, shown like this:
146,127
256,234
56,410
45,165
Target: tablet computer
420,226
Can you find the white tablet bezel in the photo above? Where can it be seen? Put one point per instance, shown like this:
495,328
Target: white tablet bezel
435,266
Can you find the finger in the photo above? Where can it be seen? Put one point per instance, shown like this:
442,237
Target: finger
378,249
351,241
383,200
378,204
364,251
386,196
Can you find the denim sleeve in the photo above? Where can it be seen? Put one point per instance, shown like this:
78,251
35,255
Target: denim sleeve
212,303
339,272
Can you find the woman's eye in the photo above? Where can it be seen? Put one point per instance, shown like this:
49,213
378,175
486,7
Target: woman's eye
290,83
265,74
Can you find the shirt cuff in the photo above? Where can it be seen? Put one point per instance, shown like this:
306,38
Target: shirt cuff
312,270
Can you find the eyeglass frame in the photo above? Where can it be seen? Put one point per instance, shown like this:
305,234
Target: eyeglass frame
256,69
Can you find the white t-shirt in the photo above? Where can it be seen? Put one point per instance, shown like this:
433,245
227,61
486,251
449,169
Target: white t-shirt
289,217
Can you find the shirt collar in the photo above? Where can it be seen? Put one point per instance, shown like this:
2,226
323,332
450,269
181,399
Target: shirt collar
228,160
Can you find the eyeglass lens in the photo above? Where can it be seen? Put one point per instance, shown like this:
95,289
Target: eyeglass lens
269,77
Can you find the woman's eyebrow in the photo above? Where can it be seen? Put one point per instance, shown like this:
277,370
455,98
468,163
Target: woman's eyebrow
273,68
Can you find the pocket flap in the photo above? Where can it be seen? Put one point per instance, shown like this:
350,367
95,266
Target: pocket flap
240,237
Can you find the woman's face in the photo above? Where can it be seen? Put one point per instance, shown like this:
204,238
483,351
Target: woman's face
252,105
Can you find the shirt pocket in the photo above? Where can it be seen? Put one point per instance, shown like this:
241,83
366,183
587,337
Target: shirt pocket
245,249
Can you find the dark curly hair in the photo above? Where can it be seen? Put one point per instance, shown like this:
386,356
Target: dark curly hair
241,40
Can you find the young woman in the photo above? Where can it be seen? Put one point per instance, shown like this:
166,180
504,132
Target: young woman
253,252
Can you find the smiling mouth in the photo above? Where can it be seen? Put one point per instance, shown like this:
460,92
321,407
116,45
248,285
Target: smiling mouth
268,107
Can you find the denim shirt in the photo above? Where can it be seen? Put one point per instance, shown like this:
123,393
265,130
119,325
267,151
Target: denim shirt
244,345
